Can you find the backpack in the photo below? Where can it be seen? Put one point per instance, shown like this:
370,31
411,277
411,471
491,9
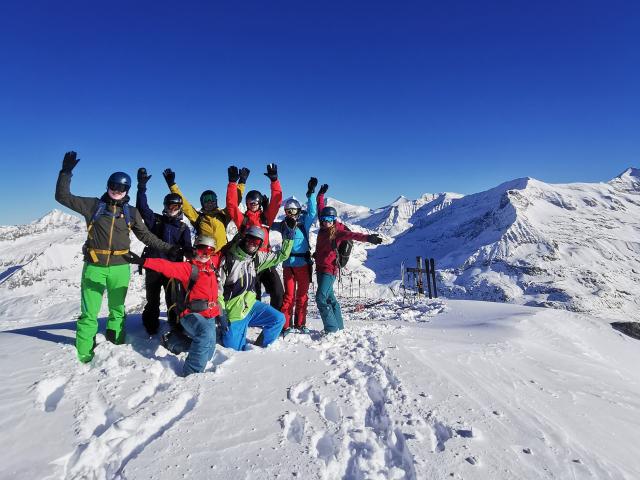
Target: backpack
343,251
177,295
101,209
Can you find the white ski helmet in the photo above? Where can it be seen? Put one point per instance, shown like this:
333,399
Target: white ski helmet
292,202
205,241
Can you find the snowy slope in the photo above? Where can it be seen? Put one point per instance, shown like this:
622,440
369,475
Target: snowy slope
431,389
572,246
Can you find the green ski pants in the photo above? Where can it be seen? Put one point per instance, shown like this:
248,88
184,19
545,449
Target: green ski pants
95,279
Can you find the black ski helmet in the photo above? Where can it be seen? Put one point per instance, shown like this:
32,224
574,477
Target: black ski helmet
172,199
328,212
208,196
253,196
119,181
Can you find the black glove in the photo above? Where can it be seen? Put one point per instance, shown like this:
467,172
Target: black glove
311,186
143,177
189,253
323,189
175,251
69,162
272,172
170,177
133,258
233,174
223,321
291,222
374,238
264,203
244,174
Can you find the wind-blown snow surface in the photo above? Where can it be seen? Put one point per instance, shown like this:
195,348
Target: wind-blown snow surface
431,389
573,246
454,389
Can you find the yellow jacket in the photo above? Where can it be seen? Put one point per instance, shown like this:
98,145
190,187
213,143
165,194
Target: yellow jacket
212,224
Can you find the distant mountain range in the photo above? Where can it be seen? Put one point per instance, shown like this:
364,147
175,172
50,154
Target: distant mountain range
570,246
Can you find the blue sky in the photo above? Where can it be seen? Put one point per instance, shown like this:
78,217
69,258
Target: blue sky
377,99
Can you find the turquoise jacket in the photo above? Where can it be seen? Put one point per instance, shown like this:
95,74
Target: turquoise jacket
300,254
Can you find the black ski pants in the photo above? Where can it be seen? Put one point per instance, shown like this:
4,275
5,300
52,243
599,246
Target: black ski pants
154,282
273,286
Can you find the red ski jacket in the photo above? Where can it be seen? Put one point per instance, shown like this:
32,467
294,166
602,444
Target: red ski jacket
206,286
261,219
325,255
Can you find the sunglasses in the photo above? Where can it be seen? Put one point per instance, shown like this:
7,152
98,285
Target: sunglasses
173,206
203,250
328,218
253,203
118,187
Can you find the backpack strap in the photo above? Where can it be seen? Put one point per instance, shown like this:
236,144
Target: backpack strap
127,215
192,278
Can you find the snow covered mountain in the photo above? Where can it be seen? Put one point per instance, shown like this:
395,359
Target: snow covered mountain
403,213
572,246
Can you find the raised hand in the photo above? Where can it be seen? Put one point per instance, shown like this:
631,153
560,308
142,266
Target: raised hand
272,172
244,174
323,189
69,161
143,177
311,186
170,177
233,174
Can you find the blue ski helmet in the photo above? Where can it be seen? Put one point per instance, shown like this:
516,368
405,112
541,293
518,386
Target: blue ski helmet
119,182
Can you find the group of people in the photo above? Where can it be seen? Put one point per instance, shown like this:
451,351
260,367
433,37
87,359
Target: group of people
220,279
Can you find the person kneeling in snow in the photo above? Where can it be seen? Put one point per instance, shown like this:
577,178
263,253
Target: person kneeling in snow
239,267
201,308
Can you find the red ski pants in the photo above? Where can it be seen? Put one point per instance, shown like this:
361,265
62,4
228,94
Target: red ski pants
296,286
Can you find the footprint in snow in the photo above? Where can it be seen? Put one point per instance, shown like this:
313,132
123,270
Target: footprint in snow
330,411
301,393
293,427
326,446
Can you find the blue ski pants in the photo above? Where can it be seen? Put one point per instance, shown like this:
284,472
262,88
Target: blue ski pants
328,304
199,342
260,315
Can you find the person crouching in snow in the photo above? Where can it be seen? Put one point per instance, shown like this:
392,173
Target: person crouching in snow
241,264
330,236
201,308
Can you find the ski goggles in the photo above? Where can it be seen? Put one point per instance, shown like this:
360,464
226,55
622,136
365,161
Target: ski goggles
118,187
253,202
291,211
209,197
253,241
203,250
328,218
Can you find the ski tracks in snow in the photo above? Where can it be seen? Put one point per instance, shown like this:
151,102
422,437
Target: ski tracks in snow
122,404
